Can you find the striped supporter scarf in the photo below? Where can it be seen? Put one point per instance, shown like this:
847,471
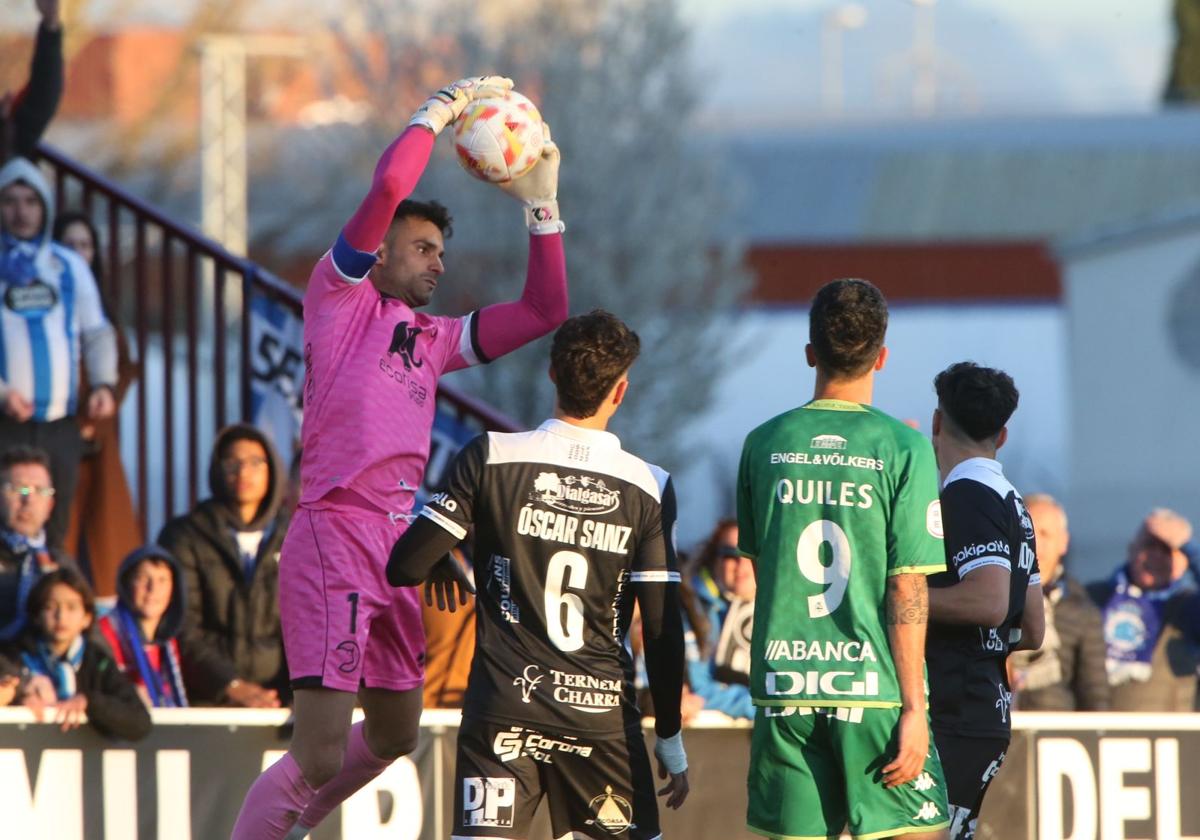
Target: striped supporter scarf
60,669
164,685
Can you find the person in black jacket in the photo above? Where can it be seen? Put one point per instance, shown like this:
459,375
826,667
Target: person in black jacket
26,500
24,116
228,548
64,667
1068,673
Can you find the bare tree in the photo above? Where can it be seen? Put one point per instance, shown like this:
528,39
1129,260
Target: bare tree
641,202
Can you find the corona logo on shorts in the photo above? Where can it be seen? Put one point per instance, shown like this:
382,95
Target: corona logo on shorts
825,684
612,813
489,802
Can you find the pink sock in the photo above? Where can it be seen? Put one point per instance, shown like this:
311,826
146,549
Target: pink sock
273,802
359,767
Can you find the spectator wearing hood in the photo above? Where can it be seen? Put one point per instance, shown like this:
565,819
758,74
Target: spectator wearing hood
167,664
25,115
228,547
51,319
1151,611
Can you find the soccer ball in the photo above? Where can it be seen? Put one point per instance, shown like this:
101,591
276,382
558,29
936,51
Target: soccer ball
499,138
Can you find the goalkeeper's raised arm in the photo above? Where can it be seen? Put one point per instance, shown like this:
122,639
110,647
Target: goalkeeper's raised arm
504,327
402,163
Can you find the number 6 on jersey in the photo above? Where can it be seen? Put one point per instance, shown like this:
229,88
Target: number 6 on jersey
566,570
836,574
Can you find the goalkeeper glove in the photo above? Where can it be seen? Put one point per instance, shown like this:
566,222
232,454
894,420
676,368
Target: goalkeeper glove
445,106
537,189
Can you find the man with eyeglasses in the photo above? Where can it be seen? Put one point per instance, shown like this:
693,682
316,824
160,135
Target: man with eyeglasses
228,548
26,501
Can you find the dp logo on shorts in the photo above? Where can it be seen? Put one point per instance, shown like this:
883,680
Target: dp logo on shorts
489,802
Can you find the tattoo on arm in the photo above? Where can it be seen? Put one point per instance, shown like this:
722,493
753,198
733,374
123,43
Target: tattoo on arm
908,600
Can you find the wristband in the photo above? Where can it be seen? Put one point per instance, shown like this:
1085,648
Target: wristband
543,217
670,753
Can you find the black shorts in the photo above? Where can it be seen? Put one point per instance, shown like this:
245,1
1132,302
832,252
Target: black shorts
598,788
970,764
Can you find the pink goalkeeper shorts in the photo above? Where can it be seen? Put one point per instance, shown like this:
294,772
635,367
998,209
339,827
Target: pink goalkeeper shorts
344,626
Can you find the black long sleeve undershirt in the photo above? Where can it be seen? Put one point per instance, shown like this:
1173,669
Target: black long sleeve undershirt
417,551
662,635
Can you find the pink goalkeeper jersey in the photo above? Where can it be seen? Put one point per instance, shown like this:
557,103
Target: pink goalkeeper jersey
370,384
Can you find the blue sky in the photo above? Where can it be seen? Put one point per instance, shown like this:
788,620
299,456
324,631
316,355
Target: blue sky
994,57
762,58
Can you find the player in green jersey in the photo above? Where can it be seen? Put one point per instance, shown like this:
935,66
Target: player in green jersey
838,506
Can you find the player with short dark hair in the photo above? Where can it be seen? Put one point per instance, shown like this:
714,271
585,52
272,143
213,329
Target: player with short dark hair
989,601
837,504
431,211
568,530
372,366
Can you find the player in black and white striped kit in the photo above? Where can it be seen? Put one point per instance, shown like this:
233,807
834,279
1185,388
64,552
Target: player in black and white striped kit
569,529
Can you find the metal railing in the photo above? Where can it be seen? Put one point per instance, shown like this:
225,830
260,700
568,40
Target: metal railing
184,301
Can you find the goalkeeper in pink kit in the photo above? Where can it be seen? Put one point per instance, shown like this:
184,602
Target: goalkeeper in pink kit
372,365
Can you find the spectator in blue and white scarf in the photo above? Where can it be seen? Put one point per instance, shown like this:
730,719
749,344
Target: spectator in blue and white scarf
63,667
1151,610
26,500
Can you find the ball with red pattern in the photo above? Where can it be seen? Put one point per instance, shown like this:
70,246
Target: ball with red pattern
500,138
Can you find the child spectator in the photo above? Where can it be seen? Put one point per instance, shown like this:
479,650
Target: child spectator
145,632
67,669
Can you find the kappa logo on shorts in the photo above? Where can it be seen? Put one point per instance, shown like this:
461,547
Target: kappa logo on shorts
489,802
928,811
350,656
613,813
575,494
924,782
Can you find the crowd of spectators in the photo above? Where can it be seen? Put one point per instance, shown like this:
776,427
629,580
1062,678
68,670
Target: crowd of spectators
194,618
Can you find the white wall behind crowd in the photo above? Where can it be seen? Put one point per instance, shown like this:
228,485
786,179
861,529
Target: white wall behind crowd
1132,304
1029,341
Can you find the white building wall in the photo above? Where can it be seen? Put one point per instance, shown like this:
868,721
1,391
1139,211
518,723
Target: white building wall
771,376
1134,406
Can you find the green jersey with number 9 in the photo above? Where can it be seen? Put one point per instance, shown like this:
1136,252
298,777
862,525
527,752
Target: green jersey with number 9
833,497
